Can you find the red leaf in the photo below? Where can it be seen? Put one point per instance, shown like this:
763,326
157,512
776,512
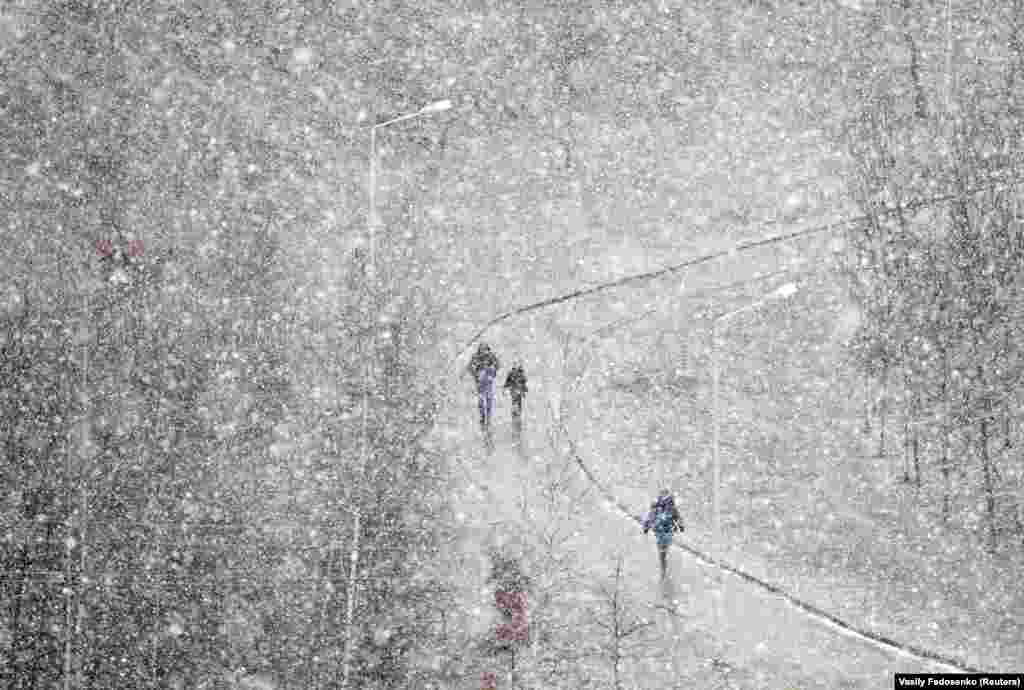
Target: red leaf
104,247
517,631
510,602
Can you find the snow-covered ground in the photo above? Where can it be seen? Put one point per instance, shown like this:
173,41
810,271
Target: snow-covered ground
710,629
798,519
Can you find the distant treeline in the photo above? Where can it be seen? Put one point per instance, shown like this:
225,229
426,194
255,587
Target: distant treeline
936,113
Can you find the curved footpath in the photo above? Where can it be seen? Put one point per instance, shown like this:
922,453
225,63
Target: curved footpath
710,629
819,614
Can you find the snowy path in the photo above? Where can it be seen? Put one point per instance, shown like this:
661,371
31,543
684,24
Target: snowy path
759,639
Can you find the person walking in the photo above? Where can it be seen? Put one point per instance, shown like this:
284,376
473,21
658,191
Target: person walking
515,386
664,519
483,357
485,395
483,367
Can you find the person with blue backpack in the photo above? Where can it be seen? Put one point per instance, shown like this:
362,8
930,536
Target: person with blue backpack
664,519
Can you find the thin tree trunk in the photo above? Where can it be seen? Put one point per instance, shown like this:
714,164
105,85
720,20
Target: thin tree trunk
69,598
1005,404
949,56
357,527
946,440
38,636
908,423
616,650
916,446
80,610
883,409
315,669
867,405
69,608
83,497
989,485
920,104
20,586
618,633
1015,70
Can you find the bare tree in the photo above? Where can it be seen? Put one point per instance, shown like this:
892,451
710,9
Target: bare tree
920,102
621,625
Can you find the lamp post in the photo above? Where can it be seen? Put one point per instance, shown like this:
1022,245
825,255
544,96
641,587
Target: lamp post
435,107
357,518
787,290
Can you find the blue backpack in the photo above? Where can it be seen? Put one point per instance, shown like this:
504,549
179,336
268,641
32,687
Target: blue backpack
663,521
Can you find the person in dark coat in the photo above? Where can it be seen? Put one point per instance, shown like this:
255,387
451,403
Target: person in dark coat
515,384
482,358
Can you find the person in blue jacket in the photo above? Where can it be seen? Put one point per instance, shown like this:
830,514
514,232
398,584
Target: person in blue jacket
483,367
664,519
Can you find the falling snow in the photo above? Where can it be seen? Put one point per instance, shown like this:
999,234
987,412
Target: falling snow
765,256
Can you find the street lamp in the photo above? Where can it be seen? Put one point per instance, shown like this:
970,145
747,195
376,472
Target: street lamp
435,107
783,292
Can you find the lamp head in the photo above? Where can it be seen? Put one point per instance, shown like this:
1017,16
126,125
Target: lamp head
436,106
787,290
